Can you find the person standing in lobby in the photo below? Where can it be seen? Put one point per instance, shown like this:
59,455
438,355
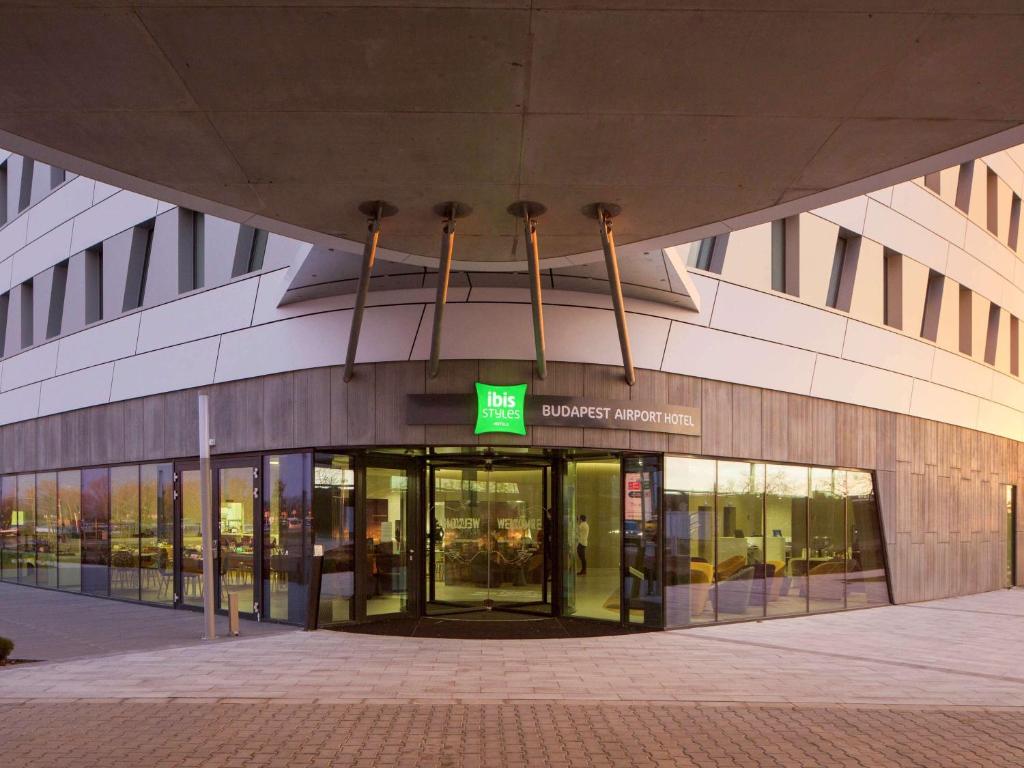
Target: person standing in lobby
582,539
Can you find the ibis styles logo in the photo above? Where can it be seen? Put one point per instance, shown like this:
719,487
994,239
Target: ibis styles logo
500,409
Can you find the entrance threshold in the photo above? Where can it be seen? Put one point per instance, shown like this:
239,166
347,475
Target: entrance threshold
487,625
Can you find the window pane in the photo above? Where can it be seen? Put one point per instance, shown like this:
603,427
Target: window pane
785,506
641,580
285,510
740,569
25,511
8,529
826,559
156,532
95,532
46,529
334,529
69,525
865,573
689,540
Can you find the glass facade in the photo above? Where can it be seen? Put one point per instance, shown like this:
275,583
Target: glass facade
788,540
641,540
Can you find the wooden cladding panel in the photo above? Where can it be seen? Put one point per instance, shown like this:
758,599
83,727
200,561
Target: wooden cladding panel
939,486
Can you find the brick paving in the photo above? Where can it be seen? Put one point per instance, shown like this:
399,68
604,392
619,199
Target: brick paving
501,735
932,684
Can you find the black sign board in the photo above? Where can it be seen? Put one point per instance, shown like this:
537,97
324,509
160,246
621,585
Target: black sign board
561,411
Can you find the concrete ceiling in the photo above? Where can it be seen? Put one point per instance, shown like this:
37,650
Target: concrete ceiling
294,112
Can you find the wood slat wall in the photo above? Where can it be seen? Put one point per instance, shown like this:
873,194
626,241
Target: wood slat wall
939,486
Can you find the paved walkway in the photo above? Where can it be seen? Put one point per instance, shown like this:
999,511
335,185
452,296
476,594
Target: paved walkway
931,684
48,625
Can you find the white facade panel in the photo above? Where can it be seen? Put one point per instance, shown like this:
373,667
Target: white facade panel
42,253
90,386
64,203
958,372
817,252
715,354
589,335
98,344
848,214
115,214
989,251
501,331
19,404
708,291
314,341
847,382
1000,420
932,401
771,317
166,370
13,236
1008,390
917,203
199,315
887,349
895,230
970,272
748,257
29,367
868,300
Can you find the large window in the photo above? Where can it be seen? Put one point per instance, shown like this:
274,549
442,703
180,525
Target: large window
156,533
96,531
8,529
787,540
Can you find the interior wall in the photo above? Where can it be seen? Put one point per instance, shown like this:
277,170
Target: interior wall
938,485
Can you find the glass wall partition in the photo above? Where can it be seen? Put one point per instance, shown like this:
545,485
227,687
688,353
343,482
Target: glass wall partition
46,529
788,540
286,518
785,510
592,538
689,541
641,540
826,555
156,533
190,537
866,584
740,533
124,532
385,538
334,513
69,530
25,512
96,531
8,528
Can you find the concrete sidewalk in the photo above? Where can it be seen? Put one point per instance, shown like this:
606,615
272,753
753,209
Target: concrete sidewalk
948,653
934,684
54,626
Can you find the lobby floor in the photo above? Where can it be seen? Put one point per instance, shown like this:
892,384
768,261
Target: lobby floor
930,684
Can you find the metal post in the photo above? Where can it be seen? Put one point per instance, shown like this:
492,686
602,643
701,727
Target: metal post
450,211
376,210
206,507
529,212
604,212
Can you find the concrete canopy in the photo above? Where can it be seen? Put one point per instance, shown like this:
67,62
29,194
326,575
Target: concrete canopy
289,115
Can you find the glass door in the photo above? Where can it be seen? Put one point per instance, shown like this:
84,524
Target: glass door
237,540
489,532
384,519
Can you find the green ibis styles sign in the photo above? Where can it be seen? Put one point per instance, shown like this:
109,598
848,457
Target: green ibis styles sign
500,408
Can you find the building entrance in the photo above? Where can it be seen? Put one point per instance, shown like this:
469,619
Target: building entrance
489,531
